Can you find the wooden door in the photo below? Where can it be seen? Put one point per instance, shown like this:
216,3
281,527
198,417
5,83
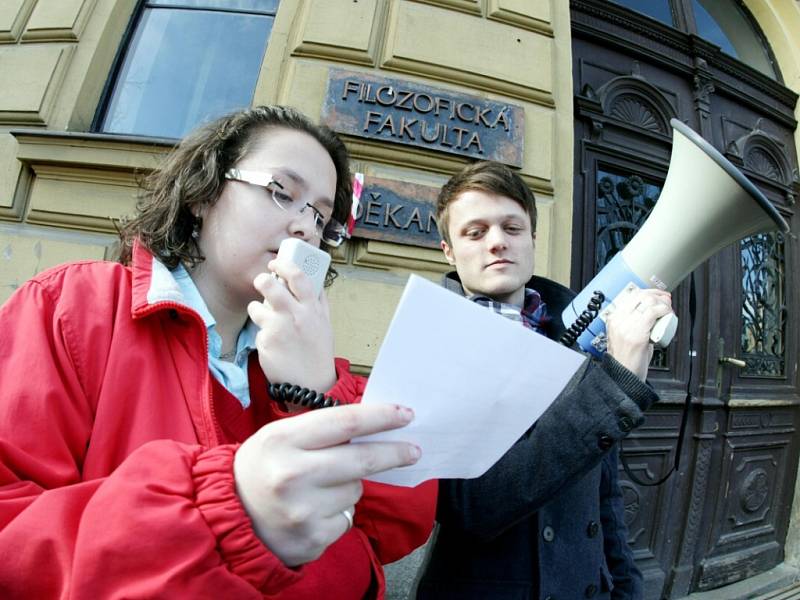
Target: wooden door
723,516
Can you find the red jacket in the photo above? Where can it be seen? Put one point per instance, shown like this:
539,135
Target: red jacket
116,475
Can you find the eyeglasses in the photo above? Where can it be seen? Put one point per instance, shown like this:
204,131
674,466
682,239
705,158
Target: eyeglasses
328,230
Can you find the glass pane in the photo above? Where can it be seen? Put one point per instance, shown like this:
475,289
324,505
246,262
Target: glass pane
623,204
658,9
763,305
252,5
723,23
709,29
184,68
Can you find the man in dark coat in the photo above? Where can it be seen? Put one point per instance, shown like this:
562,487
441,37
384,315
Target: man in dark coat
547,520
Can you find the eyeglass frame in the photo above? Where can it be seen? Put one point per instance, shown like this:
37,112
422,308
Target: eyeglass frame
265,180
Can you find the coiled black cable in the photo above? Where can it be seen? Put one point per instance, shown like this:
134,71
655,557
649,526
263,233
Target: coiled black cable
300,396
584,319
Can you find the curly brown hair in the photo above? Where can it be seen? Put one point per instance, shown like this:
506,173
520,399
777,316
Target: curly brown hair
193,174
489,177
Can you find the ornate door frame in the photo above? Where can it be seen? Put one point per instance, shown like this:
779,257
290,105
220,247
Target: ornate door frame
724,515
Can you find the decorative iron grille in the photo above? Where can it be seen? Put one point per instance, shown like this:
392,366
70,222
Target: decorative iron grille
623,204
764,305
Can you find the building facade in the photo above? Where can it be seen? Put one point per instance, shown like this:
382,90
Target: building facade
575,95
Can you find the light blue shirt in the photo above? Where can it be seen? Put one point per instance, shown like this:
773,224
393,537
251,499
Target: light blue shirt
232,375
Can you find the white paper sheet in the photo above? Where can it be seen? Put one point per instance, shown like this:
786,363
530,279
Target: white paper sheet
475,380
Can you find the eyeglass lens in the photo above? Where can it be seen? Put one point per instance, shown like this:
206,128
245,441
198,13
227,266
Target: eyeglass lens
332,232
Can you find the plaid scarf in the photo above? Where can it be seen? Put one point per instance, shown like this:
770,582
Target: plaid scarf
532,315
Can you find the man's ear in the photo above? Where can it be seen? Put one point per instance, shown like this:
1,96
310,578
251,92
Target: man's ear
448,252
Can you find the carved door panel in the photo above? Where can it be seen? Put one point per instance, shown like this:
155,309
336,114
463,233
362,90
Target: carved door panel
622,152
723,515
756,448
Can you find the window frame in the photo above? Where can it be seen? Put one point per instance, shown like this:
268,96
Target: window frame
122,48
684,21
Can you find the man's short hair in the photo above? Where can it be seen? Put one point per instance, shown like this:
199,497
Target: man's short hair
489,177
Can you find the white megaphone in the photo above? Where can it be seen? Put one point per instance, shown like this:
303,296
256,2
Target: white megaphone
706,203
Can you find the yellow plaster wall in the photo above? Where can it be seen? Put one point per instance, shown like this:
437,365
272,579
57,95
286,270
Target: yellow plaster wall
55,58
557,262
91,63
60,55
502,50
13,15
780,22
62,20
9,173
355,41
25,251
38,73
536,14
479,52
67,193
58,197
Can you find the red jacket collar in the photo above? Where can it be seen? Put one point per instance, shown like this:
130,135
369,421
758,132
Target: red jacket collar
152,285
141,269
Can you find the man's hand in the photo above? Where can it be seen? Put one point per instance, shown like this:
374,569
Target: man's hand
296,476
628,328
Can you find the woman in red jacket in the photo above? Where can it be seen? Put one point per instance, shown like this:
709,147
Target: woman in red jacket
141,455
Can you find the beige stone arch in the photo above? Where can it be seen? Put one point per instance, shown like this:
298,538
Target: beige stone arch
780,22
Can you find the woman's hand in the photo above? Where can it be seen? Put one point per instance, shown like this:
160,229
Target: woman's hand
296,476
628,328
295,344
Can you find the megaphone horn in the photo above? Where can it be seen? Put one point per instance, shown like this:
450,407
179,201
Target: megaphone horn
723,207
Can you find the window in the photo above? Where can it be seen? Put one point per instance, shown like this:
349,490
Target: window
724,23
658,9
187,62
728,27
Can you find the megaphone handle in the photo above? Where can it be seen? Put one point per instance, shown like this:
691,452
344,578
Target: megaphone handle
664,330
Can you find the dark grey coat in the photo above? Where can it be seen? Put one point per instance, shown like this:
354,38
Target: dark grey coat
547,520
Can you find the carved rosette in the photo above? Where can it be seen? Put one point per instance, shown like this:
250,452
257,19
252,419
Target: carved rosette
632,502
637,103
752,487
634,110
754,490
630,100
759,160
763,154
